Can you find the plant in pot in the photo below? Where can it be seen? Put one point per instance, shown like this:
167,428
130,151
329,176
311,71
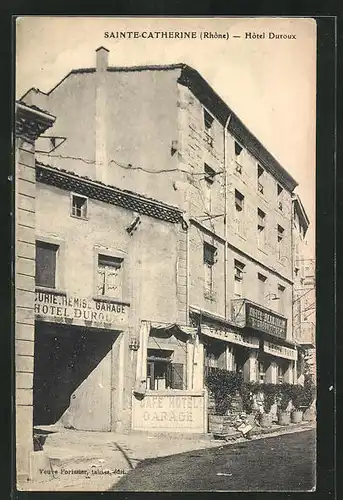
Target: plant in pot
269,396
248,392
297,396
308,398
225,387
284,398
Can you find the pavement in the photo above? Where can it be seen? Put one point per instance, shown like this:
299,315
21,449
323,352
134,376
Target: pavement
276,463
96,461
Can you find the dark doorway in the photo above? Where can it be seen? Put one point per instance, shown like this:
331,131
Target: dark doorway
64,357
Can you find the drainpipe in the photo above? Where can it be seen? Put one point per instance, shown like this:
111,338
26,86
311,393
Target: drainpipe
100,115
225,214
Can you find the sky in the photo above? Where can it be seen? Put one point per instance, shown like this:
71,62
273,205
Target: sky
268,81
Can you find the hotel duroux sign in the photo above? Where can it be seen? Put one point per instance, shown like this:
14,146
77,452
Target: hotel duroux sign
251,315
80,311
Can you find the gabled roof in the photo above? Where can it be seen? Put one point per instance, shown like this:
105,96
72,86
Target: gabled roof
208,97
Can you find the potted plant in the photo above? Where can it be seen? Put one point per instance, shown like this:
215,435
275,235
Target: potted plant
225,388
269,395
297,396
284,398
309,398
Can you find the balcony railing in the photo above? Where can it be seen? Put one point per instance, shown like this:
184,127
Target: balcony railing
246,313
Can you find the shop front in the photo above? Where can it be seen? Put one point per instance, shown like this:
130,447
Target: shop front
169,394
277,356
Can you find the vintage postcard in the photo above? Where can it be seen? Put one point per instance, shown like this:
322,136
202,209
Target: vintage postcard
165,308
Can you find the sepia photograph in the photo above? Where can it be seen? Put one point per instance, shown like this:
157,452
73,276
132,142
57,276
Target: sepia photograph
165,258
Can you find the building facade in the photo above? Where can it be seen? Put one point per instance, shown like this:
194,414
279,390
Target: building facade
304,292
163,250
30,123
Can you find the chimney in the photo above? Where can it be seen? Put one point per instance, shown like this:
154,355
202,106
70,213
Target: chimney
101,115
101,59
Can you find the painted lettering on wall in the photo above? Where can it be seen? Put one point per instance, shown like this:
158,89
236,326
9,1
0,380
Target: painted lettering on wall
169,412
78,310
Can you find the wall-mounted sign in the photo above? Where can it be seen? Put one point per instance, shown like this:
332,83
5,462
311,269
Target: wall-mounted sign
265,320
229,336
80,311
280,351
178,411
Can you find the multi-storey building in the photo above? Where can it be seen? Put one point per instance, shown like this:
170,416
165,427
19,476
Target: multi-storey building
304,291
30,123
204,281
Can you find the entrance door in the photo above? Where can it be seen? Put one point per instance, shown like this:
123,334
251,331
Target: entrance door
72,376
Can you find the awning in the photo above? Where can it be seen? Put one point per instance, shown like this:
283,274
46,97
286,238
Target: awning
187,330
230,336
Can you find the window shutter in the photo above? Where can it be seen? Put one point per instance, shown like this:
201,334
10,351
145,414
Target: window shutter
177,375
46,265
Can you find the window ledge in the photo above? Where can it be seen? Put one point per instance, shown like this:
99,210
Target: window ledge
79,218
55,291
112,300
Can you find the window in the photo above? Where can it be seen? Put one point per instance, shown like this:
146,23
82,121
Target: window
162,373
239,212
261,372
261,288
281,301
279,197
208,122
210,258
280,374
110,276
238,150
209,175
260,186
79,206
238,279
261,225
280,237
46,260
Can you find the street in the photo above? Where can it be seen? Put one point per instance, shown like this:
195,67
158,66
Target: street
282,463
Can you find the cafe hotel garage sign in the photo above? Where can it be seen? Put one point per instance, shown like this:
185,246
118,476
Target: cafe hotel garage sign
80,311
265,320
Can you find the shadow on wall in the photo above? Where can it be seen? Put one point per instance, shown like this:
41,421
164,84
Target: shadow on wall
64,358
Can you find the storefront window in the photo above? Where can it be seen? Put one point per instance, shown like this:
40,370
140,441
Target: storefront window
261,372
162,372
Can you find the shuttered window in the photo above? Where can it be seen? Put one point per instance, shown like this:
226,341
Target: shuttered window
46,257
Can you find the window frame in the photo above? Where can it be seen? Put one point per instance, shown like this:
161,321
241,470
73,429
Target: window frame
209,267
60,262
125,286
280,241
260,174
239,212
238,277
261,228
81,196
208,129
